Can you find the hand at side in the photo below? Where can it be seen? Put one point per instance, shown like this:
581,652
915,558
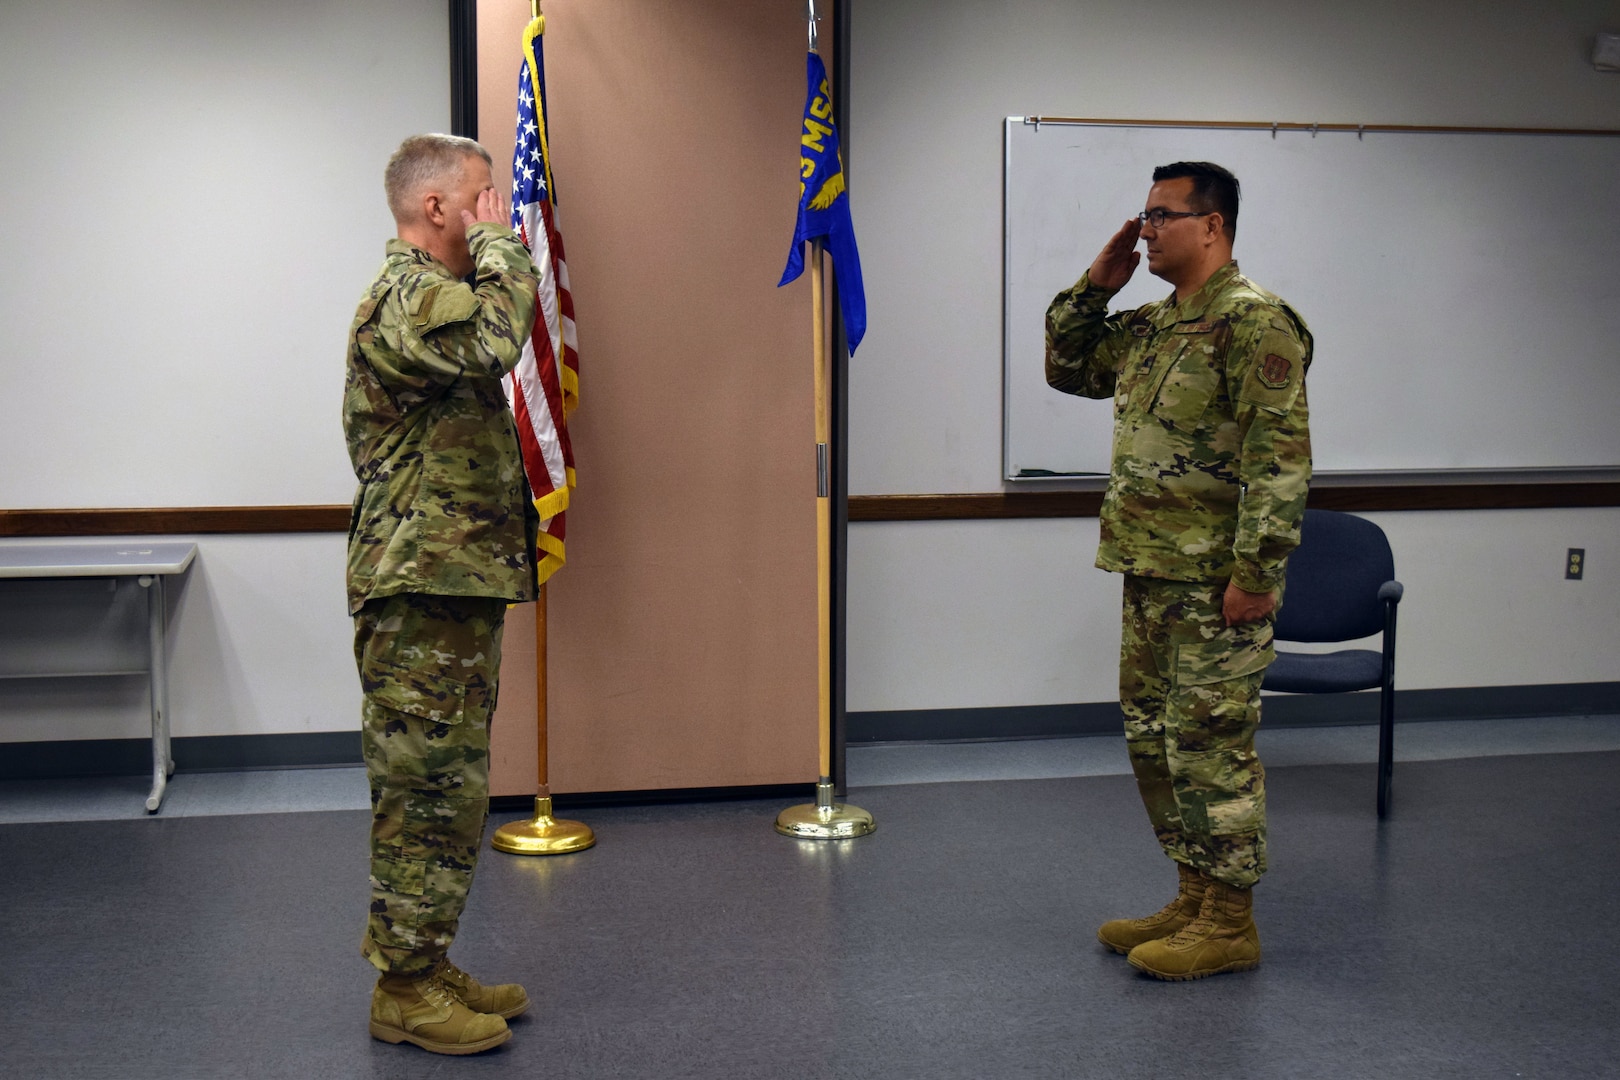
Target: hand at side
1240,606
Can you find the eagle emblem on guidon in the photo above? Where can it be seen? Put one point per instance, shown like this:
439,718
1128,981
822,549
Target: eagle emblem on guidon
1274,371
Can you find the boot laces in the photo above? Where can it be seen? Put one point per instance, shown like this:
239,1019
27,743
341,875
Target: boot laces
1170,910
1202,925
453,976
1163,913
435,992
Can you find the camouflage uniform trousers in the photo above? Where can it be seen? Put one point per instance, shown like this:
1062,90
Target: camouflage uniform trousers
428,668
1189,686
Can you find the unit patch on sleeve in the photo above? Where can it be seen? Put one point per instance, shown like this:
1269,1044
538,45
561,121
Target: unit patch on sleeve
1275,370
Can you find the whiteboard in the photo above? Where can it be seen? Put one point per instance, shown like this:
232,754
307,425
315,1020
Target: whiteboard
1463,288
191,207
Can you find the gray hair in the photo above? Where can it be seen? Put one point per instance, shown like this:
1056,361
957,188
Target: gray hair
425,162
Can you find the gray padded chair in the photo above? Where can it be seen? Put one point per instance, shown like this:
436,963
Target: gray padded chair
1341,586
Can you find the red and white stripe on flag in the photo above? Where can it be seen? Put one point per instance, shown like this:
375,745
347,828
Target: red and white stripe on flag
544,387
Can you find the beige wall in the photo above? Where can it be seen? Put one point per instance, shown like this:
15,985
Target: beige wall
682,632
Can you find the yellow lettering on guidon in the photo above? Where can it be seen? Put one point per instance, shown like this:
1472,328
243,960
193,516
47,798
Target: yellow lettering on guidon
821,109
813,133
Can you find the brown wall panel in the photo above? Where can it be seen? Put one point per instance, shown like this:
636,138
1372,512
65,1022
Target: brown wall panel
682,644
513,738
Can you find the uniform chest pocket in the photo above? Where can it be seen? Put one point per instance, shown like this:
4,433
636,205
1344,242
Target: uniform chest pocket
1138,379
1188,381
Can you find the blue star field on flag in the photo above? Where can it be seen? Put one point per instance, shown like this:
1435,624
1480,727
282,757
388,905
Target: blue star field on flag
530,184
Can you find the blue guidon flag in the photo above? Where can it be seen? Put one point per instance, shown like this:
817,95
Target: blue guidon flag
824,204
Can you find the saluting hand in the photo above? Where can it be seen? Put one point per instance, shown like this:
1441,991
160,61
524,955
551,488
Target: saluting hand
491,207
1117,261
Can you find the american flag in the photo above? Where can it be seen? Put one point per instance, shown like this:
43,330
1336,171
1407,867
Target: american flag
544,387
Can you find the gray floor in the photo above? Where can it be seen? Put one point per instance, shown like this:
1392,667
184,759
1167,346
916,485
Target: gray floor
282,790
1466,936
1104,755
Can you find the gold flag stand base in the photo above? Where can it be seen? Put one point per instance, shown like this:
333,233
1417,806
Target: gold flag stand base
824,819
545,835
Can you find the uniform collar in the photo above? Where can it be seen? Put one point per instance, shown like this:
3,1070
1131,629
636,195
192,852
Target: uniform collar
1195,305
404,249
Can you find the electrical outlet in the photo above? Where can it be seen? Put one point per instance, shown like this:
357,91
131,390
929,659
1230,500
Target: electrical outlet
1574,564
1606,52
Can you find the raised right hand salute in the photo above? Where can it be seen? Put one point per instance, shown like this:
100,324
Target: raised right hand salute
1117,261
491,208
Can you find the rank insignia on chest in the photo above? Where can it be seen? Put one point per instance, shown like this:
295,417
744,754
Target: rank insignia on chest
1274,370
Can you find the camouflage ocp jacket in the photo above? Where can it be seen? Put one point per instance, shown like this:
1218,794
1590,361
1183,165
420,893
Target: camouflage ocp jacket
1212,446
442,506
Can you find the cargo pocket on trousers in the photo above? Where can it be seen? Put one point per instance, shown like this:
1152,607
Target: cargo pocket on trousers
1236,652
1217,688
437,701
1218,777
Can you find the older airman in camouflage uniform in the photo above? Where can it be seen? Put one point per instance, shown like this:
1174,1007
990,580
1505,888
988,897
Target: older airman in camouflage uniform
442,538
1211,460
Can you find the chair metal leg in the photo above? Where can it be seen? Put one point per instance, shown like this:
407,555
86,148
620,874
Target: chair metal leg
1386,746
1391,596
1386,753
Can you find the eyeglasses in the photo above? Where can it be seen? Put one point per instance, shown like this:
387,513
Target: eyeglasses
1157,217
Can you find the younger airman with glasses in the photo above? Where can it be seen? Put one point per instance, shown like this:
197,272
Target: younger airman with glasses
1212,457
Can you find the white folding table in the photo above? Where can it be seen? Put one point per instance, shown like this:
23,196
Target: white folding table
145,564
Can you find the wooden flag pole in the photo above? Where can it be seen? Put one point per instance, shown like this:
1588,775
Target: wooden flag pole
543,835
823,819
542,770
818,343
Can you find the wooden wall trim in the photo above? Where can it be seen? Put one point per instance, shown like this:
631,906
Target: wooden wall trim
1053,504
174,520
998,504
992,505
1534,496
1267,125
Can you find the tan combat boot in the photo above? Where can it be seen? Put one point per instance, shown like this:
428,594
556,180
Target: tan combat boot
1221,939
505,1000
1123,935
424,1011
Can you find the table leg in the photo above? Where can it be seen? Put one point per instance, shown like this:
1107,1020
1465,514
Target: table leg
162,762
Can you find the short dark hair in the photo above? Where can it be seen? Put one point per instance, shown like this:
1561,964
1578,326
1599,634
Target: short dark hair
1215,190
